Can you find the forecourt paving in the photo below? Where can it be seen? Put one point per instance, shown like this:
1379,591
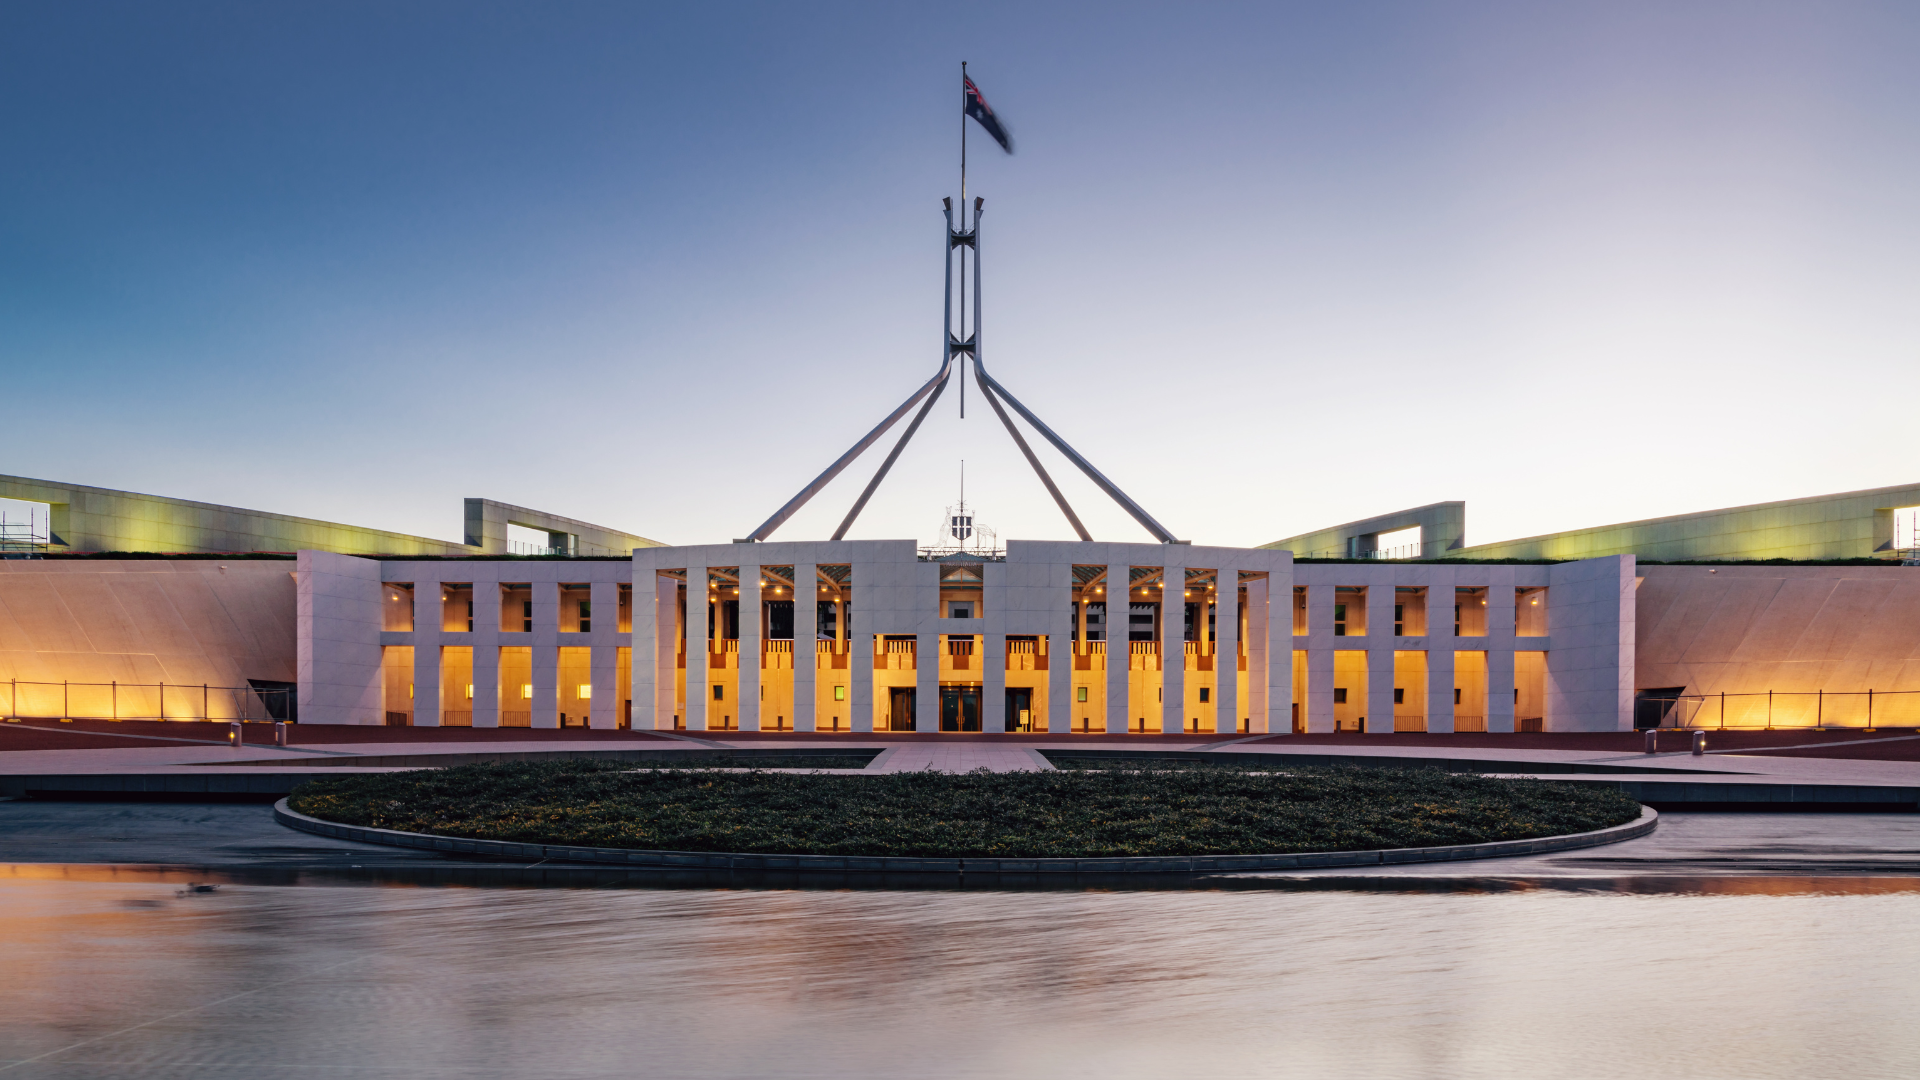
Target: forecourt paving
104,761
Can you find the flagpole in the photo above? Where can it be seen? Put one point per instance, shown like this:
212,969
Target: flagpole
963,228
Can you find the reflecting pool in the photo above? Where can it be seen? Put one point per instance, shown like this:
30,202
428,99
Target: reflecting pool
129,975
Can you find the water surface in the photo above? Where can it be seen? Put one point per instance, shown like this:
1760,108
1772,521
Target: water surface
130,978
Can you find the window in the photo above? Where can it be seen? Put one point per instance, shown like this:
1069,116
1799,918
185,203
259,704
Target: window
1399,620
469,622
526,614
1340,620
586,616
1206,694
526,691
1339,695
1083,694
719,693
839,693
1456,695
586,690
959,610
1399,695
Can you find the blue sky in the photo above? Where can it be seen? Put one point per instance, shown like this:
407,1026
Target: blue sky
1270,266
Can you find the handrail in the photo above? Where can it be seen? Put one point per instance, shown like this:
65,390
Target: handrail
114,700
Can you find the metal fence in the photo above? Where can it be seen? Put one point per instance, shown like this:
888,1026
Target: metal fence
1767,709
143,701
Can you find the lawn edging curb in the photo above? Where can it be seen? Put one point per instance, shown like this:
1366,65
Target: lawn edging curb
1152,864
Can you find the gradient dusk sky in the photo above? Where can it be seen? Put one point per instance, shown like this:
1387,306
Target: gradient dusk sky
1270,266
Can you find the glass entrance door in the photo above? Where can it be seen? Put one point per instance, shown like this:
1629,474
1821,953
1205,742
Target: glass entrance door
960,708
1019,708
900,709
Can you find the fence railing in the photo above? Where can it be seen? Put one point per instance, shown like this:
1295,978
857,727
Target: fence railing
1401,551
1816,709
31,700
520,547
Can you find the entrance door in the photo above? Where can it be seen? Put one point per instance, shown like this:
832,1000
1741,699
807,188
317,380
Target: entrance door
900,708
959,708
1019,708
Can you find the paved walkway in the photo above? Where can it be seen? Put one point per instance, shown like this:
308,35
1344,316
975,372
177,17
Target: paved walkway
960,758
76,751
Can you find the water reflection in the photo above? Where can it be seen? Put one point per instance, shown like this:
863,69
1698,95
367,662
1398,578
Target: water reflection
261,979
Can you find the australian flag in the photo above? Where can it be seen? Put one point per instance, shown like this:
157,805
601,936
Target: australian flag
977,107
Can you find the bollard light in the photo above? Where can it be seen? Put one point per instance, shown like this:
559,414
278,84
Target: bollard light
233,733
1699,743
1653,740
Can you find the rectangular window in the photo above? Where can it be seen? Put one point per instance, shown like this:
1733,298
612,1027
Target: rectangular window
839,693
586,616
1339,695
1206,694
1399,695
1083,694
1399,620
719,693
1339,620
526,613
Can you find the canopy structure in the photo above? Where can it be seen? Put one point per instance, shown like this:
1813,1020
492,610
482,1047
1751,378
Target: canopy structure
962,349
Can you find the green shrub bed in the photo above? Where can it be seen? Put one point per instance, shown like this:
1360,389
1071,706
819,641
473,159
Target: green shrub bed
1158,811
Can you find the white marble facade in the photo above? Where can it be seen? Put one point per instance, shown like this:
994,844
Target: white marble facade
1586,650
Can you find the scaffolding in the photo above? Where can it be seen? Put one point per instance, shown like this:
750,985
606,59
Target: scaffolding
23,540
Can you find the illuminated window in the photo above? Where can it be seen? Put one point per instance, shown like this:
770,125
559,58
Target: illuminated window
586,690
1083,693
839,693
469,691
526,690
